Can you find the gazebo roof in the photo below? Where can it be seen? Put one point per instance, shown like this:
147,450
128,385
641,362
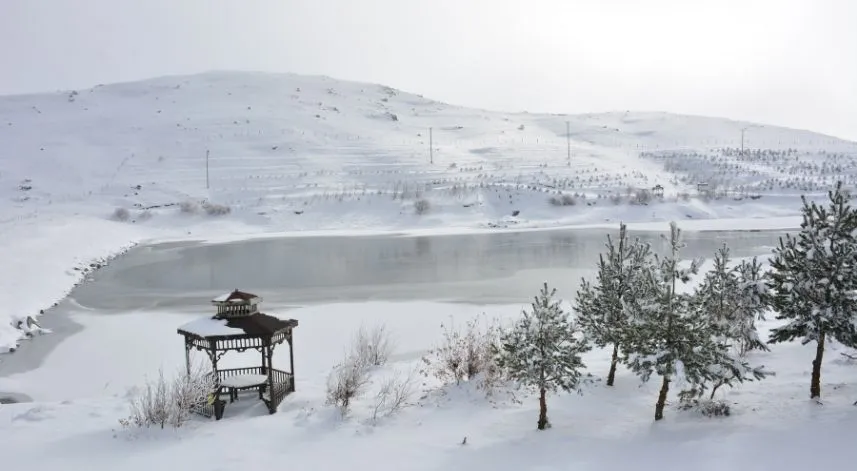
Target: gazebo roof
255,325
237,297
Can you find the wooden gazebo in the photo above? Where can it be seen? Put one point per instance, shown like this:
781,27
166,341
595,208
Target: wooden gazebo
238,326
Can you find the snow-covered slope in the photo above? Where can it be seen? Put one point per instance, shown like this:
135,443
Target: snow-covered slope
284,143
289,152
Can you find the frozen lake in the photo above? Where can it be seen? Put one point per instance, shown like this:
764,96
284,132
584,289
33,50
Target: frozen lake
503,267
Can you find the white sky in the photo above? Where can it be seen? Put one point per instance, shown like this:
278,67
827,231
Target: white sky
786,62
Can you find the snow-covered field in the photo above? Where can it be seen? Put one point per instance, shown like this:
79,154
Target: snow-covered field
80,393
85,174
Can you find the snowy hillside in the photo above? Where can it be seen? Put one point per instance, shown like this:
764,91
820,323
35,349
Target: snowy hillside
342,153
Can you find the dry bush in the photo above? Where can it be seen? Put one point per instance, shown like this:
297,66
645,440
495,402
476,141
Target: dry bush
372,347
706,407
144,215
464,355
189,207
121,214
213,209
642,197
421,207
564,200
346,382
395,393
161,402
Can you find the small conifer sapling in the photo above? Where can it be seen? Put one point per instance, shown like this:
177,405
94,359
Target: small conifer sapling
543,351
813,280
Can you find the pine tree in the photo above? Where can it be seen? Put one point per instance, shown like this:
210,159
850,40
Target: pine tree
813,279
670,336
601,309
731,300
753,301
734,297
542,351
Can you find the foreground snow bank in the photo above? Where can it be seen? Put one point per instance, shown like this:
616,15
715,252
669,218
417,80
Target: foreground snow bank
772,426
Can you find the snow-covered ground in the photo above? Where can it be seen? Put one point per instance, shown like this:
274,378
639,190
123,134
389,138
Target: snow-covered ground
80,395
85,174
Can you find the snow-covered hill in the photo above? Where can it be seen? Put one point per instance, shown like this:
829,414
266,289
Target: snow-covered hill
339,152
83,173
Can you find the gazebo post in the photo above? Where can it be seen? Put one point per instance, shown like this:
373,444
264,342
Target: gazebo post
212,345
291,359
270,349
187,348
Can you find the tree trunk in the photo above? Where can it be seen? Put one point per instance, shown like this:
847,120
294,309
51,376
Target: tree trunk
662,398
543,410
815,384
714,389
611,376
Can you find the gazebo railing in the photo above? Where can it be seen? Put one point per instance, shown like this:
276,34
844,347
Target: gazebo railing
283,385
249,370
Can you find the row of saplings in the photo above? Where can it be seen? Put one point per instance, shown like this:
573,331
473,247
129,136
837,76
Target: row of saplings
635,307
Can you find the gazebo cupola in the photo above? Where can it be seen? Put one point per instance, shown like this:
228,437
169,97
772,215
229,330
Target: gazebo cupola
236,304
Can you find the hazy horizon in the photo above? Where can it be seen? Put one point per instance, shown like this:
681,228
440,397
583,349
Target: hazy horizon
787,63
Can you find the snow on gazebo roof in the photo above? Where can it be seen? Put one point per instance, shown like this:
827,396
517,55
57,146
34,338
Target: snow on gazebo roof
237,297
255,325
210,327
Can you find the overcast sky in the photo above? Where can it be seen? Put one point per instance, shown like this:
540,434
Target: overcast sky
786,62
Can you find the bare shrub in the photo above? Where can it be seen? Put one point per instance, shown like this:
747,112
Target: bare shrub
395,393
642,197
372,347
161,402
706,407
346,382
421,207
213,209
616,199
144,215
189,207
121,214
564,200
463,355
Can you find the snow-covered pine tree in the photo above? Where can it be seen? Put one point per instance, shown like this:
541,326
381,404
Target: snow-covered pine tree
669,335
734,297
753,301
600,308
543,351
814,278
730,298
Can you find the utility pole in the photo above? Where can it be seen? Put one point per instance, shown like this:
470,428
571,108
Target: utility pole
431,147
206,168
742,141
568,140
